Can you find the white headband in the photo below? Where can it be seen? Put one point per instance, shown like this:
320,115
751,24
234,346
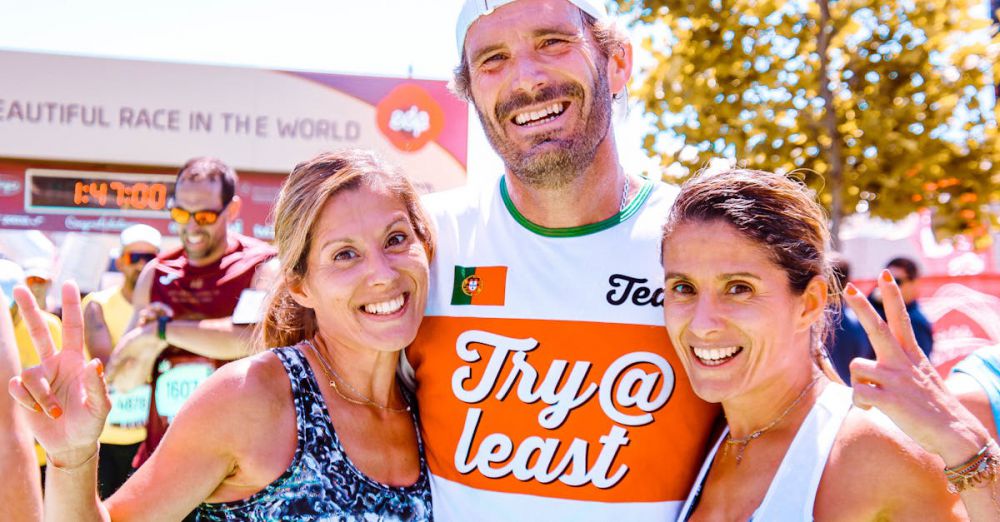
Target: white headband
473,9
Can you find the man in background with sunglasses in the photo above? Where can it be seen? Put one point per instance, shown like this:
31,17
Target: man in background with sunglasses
183,325
106,316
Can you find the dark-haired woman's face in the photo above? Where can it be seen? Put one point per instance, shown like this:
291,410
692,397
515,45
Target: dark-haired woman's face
734,320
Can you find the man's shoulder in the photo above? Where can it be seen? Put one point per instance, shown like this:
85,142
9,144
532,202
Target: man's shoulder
916,314
656,198
100,297
465,198
253,247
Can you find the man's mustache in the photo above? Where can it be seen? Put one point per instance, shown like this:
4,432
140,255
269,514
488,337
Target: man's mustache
518,101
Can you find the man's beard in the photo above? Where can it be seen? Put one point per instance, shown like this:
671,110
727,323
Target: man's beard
570,155
209,246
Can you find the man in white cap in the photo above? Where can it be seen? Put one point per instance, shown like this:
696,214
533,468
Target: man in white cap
106,316
38,278
547,385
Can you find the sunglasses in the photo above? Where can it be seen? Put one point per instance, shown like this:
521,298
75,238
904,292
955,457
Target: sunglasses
201,217
140,257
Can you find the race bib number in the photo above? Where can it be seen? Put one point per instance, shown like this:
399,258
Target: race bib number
130,410
177,384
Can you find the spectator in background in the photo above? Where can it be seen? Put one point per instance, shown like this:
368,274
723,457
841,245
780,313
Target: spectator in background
906,273
184,326
20,496
106,314
848,337
38,278
12,274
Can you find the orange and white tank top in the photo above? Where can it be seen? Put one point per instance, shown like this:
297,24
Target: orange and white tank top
547,385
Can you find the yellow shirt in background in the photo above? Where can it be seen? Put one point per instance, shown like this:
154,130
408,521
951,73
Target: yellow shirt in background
126,422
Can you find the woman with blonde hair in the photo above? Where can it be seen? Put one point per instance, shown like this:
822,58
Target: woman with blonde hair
318,426
746,297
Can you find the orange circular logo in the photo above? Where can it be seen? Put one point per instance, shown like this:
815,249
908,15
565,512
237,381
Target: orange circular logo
409,117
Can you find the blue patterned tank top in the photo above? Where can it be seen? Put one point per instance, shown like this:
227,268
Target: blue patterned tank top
321,483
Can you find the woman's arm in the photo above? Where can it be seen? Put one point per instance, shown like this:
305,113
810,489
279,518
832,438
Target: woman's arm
21,496
202,447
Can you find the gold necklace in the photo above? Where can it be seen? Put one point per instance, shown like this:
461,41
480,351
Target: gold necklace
742,442
333,377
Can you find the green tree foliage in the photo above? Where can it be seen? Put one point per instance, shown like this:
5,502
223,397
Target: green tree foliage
890,102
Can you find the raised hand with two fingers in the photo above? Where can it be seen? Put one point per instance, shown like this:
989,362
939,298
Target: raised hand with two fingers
66,394
903,384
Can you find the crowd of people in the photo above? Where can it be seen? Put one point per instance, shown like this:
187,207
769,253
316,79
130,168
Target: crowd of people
573,342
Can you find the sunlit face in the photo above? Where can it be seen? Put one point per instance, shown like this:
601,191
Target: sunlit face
204,243
366,275
541,88
131,268
731,314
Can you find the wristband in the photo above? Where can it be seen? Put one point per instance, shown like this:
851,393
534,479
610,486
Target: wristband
981,469
161,327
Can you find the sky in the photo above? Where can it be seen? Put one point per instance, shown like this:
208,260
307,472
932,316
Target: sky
396,38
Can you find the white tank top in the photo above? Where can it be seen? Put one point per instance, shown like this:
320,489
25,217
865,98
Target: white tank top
792,493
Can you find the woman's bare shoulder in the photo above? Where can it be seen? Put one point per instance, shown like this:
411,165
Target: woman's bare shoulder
247,389
884,472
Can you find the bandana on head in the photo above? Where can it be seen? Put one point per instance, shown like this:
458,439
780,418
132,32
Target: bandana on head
473,9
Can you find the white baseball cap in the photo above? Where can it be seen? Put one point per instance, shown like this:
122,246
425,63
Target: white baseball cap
39,267
473,9
141,234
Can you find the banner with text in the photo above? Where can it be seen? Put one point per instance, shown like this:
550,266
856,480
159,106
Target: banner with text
109,111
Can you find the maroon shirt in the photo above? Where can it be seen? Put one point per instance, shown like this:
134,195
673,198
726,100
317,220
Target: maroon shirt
194,293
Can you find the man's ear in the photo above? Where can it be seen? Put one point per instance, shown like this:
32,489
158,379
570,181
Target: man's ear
233,209
813,302
620,67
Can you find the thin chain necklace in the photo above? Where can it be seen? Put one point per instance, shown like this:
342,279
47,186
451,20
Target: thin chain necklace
333,376
742,443
624,195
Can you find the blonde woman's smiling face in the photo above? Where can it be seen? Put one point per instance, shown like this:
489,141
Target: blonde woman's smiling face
367,271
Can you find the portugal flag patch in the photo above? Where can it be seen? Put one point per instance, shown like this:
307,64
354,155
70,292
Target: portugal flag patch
479,285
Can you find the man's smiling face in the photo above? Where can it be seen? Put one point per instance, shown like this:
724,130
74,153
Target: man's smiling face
540,85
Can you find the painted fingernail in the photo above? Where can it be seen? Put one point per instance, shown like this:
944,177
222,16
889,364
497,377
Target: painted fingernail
55,412
100,368
887,276
851,290
37,408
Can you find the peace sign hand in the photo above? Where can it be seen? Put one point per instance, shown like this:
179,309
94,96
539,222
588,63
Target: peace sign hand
903,384
65,393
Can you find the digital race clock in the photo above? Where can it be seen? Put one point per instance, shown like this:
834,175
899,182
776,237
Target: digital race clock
97,193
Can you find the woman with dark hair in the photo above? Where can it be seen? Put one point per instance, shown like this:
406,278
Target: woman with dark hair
746,301
316,428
